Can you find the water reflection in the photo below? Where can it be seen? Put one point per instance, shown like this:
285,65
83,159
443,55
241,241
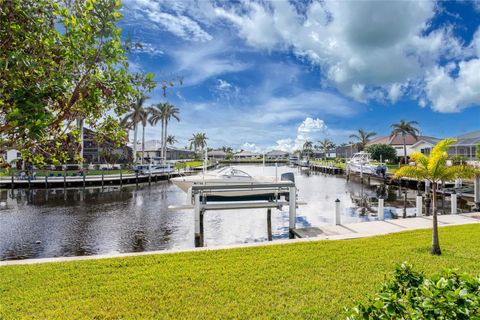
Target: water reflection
40,223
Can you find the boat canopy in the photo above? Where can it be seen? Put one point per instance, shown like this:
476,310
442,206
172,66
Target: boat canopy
232,172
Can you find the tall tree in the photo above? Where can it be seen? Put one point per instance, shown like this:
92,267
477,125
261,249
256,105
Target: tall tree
171,140
307,147
198,141
137,115
434,169
326,145
405,128
170,112
362,137
61,61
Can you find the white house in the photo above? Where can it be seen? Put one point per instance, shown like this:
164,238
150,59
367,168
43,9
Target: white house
245,155
276,155
424,143
217,155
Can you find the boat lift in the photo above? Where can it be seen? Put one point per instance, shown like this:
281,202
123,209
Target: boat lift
201,204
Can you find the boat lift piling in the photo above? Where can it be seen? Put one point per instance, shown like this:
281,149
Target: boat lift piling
200,205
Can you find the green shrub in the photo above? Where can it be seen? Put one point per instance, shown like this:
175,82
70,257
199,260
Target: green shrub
456,160
411,295
382,152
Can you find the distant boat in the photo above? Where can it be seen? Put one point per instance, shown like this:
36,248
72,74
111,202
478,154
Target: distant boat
293,160
225,177
154,169
361,162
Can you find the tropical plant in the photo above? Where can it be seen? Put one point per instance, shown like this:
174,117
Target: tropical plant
382,152
170,112
307,147
434,169
477,147
163,112
362,137
326,145
405,128
198,141
171,140
412,295
61,61
137,115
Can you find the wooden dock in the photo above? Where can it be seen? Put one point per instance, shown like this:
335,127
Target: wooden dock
62,181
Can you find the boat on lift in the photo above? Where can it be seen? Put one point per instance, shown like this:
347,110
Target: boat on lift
228,176
361,162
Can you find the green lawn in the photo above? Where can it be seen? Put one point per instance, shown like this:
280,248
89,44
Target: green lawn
191,164
314,280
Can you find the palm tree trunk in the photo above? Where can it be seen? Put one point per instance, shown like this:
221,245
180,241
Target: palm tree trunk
405,149
135,126
143,142
165,141
435,250
161,140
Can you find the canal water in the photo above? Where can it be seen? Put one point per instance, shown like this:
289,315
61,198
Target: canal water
54,223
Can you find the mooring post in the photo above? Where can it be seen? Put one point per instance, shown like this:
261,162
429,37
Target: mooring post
453,202
83,178
136,179
477,192
103,179
197,211
121,179
149,178
292,210
419,204
427,186
46,180
65,178
269,224
337,212
381,211
13,180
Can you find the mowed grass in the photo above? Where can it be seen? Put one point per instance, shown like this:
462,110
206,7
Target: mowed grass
314,280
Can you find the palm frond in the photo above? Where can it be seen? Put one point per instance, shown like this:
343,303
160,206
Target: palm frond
420,159
412,172
459,171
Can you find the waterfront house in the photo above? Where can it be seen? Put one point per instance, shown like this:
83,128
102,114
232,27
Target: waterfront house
217,155
413,144
105,151
276,155
153,152
244,155
346,151
466,145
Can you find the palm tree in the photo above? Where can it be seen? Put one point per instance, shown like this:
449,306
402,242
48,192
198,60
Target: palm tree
170,112
131,120
163,112
307,147
171,140
435,170
198,141
362,137
405,128
326,145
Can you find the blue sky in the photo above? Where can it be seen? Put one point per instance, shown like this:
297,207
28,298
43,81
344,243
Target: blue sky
269,75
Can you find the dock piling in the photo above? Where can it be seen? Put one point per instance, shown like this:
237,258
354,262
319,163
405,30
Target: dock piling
269,224
337,212
419,203
477,192
197,217
381,211
453,200
292,210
